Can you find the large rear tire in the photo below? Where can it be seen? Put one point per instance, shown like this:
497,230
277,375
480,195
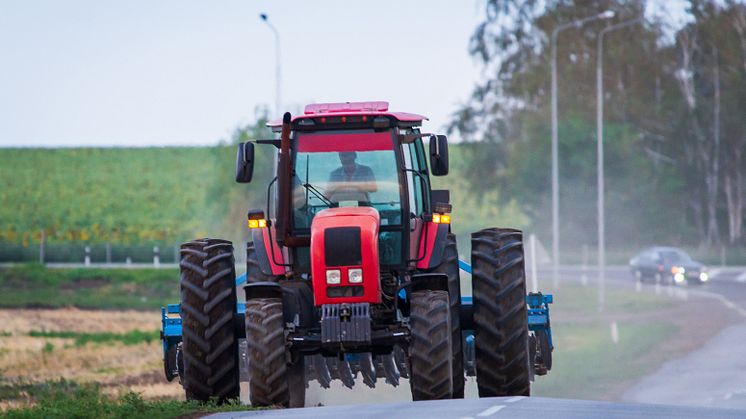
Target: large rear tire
208,312
500,313
449,266
271,378
430,352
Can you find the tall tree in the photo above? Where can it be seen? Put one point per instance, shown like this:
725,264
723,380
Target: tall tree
674,138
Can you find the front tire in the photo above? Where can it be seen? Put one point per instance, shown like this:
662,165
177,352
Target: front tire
208,312
430,352
271,379
500,313
449,266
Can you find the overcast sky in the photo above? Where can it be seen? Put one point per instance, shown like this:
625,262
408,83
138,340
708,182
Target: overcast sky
183,72
189,72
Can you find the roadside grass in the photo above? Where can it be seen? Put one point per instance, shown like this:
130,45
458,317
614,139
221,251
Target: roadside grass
588,363
33,285
67,399
133,337
574,300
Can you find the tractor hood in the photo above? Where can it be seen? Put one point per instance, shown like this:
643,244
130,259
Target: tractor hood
344,256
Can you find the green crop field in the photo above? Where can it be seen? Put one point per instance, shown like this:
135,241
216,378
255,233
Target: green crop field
105,194
119,195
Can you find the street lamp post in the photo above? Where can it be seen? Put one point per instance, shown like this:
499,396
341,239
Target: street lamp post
600,156
555,152
278,72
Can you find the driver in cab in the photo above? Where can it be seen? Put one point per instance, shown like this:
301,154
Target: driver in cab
351,181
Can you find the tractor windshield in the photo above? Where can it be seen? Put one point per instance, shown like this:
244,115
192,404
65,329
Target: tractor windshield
346,168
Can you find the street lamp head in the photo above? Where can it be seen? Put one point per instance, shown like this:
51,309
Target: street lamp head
263,16
607,14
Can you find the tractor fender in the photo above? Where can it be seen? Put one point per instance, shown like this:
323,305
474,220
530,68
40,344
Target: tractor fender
432,245
297,302
296,296
268,253
429,281
263,290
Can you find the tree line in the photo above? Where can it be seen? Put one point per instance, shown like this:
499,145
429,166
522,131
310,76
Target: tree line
675,120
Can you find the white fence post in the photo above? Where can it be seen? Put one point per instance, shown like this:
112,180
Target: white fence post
156,256
87,260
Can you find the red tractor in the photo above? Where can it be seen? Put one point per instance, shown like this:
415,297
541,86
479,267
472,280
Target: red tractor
353,270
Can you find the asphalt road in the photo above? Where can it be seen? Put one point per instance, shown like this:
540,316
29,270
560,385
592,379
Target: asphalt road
710,376
498,407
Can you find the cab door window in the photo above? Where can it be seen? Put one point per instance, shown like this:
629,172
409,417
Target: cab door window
415,181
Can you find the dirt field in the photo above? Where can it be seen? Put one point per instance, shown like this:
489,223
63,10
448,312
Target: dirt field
115,366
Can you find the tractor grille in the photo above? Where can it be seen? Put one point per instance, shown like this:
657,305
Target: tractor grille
345,323
342,246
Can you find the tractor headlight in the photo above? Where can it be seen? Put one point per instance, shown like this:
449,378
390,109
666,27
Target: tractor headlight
355,276
333,276
704,277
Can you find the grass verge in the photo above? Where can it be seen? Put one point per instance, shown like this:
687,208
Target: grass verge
66,399
34,285
599,353
590,365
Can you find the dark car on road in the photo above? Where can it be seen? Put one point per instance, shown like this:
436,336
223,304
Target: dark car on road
667,265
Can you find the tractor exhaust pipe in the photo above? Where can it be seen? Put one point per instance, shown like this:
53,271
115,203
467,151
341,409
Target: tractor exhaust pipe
284,182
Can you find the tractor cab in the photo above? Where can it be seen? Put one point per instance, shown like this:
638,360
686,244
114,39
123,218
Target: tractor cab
351,168
356,155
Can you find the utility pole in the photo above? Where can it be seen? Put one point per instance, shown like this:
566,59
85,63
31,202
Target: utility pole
555,151
600,157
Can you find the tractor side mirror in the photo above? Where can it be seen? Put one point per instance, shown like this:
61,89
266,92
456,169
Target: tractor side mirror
439,155
244,162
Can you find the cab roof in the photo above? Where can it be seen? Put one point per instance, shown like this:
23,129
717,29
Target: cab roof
373,108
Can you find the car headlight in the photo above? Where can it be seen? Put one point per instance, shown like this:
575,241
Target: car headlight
704,277
679,278
333,276
355,276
